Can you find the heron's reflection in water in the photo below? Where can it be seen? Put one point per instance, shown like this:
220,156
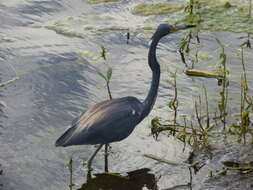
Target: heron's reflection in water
134,180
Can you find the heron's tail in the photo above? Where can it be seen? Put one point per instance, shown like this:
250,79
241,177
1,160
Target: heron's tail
63,140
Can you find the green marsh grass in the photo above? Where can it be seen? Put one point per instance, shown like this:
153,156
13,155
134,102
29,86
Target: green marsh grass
107,79
157,8
70,168
222,65
209,124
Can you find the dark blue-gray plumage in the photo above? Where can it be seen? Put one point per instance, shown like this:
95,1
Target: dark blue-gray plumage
114,120
106,122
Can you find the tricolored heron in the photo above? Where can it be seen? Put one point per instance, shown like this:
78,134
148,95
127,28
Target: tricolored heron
113,120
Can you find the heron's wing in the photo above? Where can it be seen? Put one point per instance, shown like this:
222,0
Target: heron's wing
105,122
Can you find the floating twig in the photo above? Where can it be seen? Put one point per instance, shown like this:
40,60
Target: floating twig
161,160
8,82
199,73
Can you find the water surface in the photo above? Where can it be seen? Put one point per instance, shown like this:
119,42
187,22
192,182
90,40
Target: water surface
57,83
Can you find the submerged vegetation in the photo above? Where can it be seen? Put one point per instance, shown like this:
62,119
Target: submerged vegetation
16,77
146,9
81,27
64,30
217,16
200,136
214,15
101,1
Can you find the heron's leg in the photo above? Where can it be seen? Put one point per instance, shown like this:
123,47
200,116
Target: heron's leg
106,157
91,159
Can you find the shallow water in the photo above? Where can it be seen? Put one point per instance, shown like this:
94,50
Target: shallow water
57,82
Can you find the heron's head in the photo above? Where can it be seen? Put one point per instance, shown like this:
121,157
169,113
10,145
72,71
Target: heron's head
165,29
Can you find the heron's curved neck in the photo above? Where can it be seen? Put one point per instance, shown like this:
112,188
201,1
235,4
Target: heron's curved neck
155,67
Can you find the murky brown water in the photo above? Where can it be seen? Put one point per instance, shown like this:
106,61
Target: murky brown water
57,82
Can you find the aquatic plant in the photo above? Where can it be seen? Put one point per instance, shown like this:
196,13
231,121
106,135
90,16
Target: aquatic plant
70,168
222,105
243,127
103,52
83,26
128,36
184,47
198,136
173,104
101,1
217,16
158,8
244,100
200,73
107,79
3,84
16,77
191,10
66,31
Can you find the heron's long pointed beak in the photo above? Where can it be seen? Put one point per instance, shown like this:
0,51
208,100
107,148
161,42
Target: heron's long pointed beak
182,27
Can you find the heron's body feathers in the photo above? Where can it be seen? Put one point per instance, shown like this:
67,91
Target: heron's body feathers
105,122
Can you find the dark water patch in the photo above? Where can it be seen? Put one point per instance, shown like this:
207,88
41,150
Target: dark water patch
39,8
50,59
27,12
33,90
8,17
135,180
29,97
